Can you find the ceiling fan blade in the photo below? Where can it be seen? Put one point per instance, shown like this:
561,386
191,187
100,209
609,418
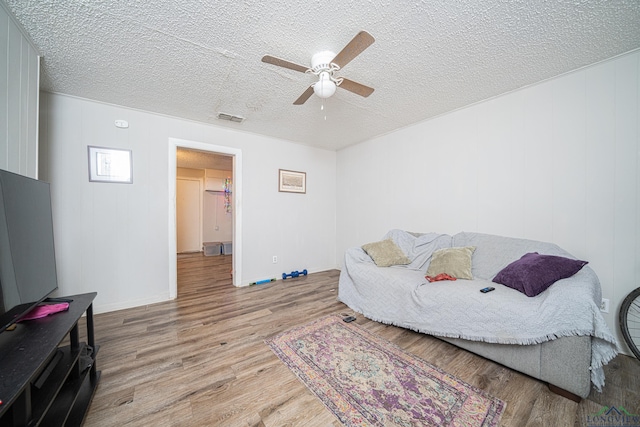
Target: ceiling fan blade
356,88
284,63
359,43
303,98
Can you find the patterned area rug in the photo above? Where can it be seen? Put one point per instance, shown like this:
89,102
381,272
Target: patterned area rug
367,381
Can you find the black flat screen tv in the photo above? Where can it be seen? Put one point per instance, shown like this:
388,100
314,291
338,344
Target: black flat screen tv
27,255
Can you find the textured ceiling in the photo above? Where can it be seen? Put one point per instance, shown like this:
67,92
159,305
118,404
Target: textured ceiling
194,159
196,58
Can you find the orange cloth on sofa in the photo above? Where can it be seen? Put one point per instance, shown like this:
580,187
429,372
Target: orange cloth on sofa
439,277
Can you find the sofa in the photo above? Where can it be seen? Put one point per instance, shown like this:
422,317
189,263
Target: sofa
556,334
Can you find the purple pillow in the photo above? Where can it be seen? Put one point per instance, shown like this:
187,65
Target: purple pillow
534,273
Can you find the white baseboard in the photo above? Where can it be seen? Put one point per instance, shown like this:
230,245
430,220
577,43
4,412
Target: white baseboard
106,308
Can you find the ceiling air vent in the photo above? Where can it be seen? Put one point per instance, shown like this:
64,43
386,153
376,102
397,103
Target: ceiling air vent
230,117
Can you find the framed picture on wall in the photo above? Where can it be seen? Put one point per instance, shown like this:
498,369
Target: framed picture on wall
110,165
292,181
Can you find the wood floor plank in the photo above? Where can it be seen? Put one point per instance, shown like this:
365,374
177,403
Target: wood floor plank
549,407
201,360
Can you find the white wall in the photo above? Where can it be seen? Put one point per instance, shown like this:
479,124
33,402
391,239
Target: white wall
217,223
113,238
558,162
19,87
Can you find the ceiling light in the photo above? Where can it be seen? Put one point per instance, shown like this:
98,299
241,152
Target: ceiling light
325,87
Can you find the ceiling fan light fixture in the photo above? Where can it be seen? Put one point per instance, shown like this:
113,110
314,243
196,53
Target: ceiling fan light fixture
325,64
325,87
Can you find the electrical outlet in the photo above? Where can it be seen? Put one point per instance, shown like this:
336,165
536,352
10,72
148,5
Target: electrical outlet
604,305
275,259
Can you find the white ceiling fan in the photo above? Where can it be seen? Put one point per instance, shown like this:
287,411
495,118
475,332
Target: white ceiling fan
324,64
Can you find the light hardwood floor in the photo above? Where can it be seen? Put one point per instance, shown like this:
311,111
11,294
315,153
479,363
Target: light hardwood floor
201,360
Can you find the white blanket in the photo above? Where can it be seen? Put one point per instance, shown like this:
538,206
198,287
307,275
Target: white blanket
400,295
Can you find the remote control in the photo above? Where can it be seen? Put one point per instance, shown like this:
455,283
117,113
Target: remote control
349,319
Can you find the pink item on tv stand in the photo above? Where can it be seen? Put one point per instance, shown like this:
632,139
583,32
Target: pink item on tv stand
45,310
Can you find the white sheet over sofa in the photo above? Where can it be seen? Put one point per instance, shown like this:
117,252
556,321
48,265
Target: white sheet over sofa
400,295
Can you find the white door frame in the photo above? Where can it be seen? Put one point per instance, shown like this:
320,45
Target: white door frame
236,153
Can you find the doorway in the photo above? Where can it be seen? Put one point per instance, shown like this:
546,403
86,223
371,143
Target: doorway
204,219
220,154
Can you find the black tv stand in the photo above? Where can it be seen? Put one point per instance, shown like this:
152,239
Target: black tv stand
43,382
56,300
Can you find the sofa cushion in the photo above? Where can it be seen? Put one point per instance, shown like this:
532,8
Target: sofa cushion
493,253
418,248
385,253
455,262
534,273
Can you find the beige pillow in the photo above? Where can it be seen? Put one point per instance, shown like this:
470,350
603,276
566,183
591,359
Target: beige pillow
386,253
455,262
